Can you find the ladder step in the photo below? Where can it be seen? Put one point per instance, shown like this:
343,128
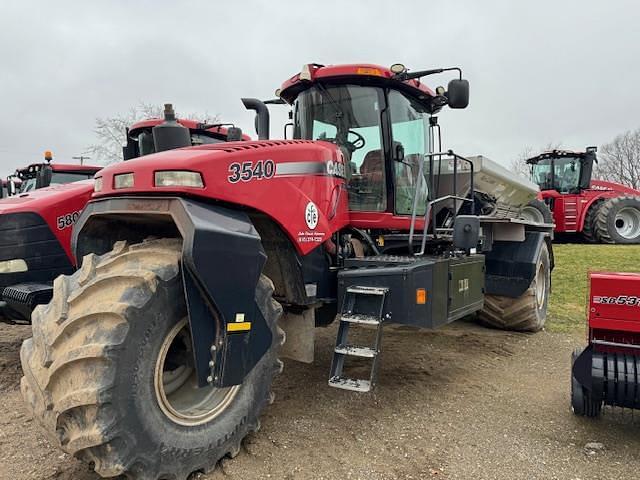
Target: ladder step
350,384
356,351
359,318
368,290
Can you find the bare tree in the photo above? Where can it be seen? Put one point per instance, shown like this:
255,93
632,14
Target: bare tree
111,131
519,164
619,161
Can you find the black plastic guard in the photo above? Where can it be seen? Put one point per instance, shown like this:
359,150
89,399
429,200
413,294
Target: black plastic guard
222,259
582,369
511,266
611,377
24,297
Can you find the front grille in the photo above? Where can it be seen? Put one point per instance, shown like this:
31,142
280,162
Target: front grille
27,236
29,294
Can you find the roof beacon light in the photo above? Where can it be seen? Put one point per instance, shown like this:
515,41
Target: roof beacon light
398,68
48,156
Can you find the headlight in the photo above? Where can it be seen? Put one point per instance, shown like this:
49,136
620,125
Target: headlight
178,178
123,180
13,266
97,185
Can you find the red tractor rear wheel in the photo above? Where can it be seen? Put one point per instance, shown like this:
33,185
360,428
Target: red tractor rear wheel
589,231
537,211
618,220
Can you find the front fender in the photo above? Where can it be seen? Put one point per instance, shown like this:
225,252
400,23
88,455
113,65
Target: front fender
222,259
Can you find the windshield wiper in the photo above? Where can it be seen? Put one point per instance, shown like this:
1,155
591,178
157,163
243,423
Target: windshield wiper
336,106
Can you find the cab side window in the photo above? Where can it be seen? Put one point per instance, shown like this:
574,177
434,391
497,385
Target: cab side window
410,133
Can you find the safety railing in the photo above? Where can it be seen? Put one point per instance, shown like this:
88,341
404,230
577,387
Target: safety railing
429,219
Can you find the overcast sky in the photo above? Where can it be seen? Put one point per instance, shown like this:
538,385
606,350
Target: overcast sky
543,71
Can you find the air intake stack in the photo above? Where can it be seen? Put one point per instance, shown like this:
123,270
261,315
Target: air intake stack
170,134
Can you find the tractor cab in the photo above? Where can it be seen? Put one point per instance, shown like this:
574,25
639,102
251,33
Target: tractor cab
159,134
41,175
381,120
564,171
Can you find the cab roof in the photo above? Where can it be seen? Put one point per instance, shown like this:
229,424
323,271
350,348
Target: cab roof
218,131
559,154
357,73
58,167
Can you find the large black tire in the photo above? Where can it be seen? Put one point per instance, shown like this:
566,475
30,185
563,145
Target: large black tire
582,402
537,211
528,312
618,220
589,231
91,369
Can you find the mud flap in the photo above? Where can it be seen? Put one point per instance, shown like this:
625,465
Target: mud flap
511,266
222,259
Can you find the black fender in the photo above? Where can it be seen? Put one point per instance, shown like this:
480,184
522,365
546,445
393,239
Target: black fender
511,266
222,259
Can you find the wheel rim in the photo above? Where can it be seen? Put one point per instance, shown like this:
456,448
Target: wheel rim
532,214
176,385
541,285
628,223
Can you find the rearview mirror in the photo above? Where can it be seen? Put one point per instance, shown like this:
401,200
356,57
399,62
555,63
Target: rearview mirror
466,232
458,93
234,134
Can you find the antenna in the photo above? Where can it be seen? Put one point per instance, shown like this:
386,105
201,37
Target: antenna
82,158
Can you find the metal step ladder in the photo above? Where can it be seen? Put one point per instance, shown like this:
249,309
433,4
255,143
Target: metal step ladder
348,318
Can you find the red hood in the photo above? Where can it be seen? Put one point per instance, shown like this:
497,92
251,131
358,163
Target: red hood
36,200
616,187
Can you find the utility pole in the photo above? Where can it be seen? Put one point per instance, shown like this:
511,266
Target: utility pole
82,158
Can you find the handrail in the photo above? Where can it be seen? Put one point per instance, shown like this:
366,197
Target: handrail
428,216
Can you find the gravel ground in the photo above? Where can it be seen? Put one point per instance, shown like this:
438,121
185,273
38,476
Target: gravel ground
463,402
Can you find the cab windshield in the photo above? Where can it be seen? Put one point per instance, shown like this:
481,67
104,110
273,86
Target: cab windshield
351,117
57,178
561,174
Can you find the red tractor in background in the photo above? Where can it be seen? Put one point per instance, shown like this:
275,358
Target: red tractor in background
600,211
36,223
156,358
42,175
607,372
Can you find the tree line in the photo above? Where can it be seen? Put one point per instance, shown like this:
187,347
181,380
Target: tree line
111,133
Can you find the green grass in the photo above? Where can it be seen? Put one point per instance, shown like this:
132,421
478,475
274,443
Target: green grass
567,309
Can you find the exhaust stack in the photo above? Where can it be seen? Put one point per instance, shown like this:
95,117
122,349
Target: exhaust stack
262,116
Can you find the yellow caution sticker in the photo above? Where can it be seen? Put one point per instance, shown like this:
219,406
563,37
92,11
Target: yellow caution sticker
239,327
